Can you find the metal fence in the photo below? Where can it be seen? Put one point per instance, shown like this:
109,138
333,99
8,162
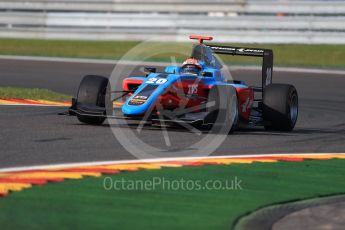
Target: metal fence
228,20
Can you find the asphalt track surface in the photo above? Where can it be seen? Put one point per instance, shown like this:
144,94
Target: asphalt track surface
37,135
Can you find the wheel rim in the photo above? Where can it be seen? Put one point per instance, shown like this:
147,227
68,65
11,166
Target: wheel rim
294,108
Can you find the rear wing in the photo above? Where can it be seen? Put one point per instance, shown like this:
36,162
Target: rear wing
266,54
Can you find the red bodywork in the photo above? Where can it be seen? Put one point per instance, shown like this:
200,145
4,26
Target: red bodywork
172,100
197,92
245,101
201,38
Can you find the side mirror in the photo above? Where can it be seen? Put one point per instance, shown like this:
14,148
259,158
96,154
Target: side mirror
171,69
150,69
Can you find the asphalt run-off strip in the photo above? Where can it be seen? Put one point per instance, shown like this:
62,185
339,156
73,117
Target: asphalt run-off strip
17,179
305,214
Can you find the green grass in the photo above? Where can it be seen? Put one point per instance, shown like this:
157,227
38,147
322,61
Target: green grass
34,94
85,204
323,56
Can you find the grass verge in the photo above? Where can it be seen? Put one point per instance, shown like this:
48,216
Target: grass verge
33,94
323,56
85,204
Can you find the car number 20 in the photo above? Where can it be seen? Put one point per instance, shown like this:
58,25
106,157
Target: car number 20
157,81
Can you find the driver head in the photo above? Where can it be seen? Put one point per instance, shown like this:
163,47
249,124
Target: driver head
191,66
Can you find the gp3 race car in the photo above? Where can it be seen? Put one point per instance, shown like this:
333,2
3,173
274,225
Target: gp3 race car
196,93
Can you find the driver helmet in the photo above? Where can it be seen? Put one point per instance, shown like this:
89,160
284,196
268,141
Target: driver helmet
191,66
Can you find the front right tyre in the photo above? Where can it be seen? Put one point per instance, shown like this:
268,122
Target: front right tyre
91,94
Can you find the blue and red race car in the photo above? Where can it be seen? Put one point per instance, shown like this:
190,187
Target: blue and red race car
196,93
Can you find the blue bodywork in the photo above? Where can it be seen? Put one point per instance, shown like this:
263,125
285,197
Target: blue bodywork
155,84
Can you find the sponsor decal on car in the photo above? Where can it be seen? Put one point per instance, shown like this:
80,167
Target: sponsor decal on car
138,100
192,89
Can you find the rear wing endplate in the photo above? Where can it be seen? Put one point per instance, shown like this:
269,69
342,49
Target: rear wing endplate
266,54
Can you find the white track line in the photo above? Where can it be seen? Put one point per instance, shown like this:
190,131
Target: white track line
163,64
167,159
294,70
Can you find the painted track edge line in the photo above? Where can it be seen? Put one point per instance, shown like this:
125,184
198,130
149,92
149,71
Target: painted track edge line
156,160
113,62
32,102
34,105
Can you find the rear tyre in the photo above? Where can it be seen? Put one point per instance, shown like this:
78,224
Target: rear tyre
280,107
91,93
223,109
